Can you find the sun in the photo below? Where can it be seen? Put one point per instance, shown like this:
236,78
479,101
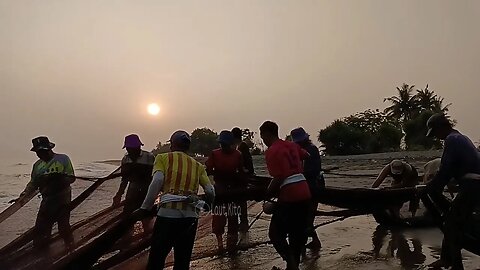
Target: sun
153,109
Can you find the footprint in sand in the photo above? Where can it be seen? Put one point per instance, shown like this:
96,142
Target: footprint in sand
335,251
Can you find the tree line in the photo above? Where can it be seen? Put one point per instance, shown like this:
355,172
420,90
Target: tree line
401,125
204,140
374,131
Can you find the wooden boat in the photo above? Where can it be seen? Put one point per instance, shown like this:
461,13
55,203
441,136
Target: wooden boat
19,203
99,233
20,255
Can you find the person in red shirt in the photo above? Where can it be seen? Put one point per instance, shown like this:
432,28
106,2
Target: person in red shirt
290,216
226,166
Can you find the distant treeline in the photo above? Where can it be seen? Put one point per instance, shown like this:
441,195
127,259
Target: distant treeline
374,131
204,140
402,125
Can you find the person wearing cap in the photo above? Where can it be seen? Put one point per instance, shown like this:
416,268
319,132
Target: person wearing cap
226,166
178,177
136,171
404,175
461,161
248,168
312,170
52,175
290,216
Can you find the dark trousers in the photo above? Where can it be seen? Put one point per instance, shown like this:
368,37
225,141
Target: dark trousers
290,220
176,233
461,209
53,209
311,219
226,212
136,193
244,213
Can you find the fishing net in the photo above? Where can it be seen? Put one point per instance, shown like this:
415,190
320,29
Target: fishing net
91,214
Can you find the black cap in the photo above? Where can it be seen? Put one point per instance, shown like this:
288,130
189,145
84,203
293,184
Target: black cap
435,121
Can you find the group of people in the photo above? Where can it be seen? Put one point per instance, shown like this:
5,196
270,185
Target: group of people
459,165
295,167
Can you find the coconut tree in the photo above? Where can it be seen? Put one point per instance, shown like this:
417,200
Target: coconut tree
438,105
404,105
426,99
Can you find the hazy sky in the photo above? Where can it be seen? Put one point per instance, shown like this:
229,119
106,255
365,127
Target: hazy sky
83,72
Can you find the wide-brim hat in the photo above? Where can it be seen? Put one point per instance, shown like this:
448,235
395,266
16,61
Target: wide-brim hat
42,143
132,141
299,135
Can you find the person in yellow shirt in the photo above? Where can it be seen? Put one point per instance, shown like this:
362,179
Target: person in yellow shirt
177,176
52,174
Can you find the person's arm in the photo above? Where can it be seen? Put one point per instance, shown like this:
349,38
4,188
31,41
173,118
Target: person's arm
68,169
446,168
210,164
246,158
153,190
274,187
240,164
32,184
123,184
381,177
121,189
312,166
275,163
207,186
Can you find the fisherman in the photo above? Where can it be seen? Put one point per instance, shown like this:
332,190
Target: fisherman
312,170
290,216
247,168
225,164
52,174
177,176
136,170
460,160
404,175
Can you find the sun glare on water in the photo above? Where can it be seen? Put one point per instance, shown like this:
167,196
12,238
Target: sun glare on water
153,109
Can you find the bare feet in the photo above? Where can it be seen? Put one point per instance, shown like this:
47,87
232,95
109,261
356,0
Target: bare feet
220,243
314,245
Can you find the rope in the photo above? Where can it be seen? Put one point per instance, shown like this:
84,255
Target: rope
330,221
354,175
252,245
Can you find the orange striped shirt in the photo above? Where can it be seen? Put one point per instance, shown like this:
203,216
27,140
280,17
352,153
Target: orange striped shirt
182,175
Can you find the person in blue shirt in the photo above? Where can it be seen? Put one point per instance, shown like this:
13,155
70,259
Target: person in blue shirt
312,170
461,161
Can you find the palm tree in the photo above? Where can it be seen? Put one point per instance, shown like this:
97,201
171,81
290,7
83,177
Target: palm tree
438,105
426,99
404,106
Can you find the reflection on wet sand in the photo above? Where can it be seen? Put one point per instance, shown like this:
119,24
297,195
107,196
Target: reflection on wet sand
409,252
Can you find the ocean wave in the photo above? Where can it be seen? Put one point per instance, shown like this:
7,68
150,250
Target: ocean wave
19,164
110,162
